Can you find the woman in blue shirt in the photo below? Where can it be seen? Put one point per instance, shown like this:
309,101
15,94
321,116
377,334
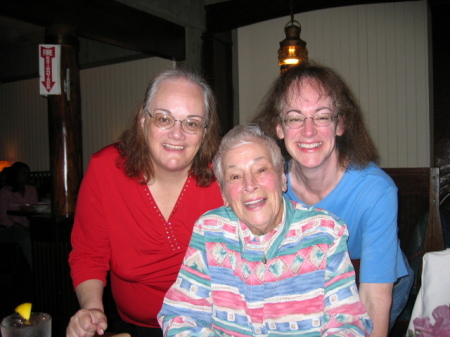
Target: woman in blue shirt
319,126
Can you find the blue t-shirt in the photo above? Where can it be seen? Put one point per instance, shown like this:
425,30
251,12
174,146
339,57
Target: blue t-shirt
367,202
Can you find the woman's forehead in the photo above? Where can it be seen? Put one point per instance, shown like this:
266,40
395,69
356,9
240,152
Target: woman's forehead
305,87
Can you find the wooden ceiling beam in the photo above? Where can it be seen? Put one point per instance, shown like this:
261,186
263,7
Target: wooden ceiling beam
105,21
233,14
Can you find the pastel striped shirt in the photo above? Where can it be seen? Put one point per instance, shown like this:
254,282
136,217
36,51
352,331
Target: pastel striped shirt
296,280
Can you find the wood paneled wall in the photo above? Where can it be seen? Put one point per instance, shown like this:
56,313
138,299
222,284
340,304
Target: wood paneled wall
381,50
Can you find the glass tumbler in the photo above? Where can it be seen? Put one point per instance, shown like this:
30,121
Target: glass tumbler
39,325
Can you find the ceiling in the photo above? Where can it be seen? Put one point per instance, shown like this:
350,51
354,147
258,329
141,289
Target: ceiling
116,24
11,29
101,20
96,19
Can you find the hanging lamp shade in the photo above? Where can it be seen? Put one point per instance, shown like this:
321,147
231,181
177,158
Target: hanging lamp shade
292,50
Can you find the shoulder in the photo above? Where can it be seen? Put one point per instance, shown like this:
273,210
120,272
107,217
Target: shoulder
372,174
5,190
104,157
103,165
219,217
217,224
314,217
305,211
108,152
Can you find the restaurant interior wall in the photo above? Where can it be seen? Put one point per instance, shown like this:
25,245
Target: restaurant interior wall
109,96
381,50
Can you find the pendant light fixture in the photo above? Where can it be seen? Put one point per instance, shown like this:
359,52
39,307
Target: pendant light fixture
292,50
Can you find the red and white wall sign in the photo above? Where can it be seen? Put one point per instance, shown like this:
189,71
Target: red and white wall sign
49,69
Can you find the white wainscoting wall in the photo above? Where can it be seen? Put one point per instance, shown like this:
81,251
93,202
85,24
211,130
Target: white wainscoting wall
381,50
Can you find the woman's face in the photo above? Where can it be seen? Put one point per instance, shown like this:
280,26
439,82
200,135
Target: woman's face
22,175
311,146
253,187
172,149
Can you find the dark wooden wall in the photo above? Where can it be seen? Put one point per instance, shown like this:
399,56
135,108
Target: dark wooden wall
440,11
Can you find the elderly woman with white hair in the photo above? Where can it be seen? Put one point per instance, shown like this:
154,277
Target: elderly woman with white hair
263,265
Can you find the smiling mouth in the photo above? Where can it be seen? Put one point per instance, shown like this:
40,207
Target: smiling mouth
173,147
309,146
254,204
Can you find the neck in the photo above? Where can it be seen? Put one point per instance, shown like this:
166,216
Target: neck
261,232
169,177
311,185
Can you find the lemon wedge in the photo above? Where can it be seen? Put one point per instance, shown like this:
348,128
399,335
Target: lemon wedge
24,310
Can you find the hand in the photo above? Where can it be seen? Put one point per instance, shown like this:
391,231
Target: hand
87,322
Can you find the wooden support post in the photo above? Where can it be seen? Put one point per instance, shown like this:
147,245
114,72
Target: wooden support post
64,121
434,237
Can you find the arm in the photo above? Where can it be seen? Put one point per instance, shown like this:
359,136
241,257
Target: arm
344,312
377,298
89,259
90,319
187,307
380,270
90,255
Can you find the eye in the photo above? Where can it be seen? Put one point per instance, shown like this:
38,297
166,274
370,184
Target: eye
322,118
193,123
163,119
261,170
295,119
234,177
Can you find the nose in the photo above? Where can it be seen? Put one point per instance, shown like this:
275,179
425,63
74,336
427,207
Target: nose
250,183
177,130
309,127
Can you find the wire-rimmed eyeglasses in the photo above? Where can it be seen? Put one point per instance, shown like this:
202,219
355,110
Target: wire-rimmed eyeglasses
296,121
192,125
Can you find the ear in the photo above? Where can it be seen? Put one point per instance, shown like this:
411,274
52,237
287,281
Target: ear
340,127
280,131
225,200
142,121
283,182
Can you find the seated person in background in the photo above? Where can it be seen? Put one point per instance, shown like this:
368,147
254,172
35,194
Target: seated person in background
14,196
263,265
319,125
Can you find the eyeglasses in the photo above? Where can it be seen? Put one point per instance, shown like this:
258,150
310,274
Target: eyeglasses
189,125
296,121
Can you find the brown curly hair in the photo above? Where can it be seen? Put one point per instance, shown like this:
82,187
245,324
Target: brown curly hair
135,158
355,147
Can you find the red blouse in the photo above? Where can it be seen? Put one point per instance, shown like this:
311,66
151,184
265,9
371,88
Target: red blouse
118,227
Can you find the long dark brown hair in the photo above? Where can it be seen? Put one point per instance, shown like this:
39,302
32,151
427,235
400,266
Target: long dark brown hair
135,158
355,147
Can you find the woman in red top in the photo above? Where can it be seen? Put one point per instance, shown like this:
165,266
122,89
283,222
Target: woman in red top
138,203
